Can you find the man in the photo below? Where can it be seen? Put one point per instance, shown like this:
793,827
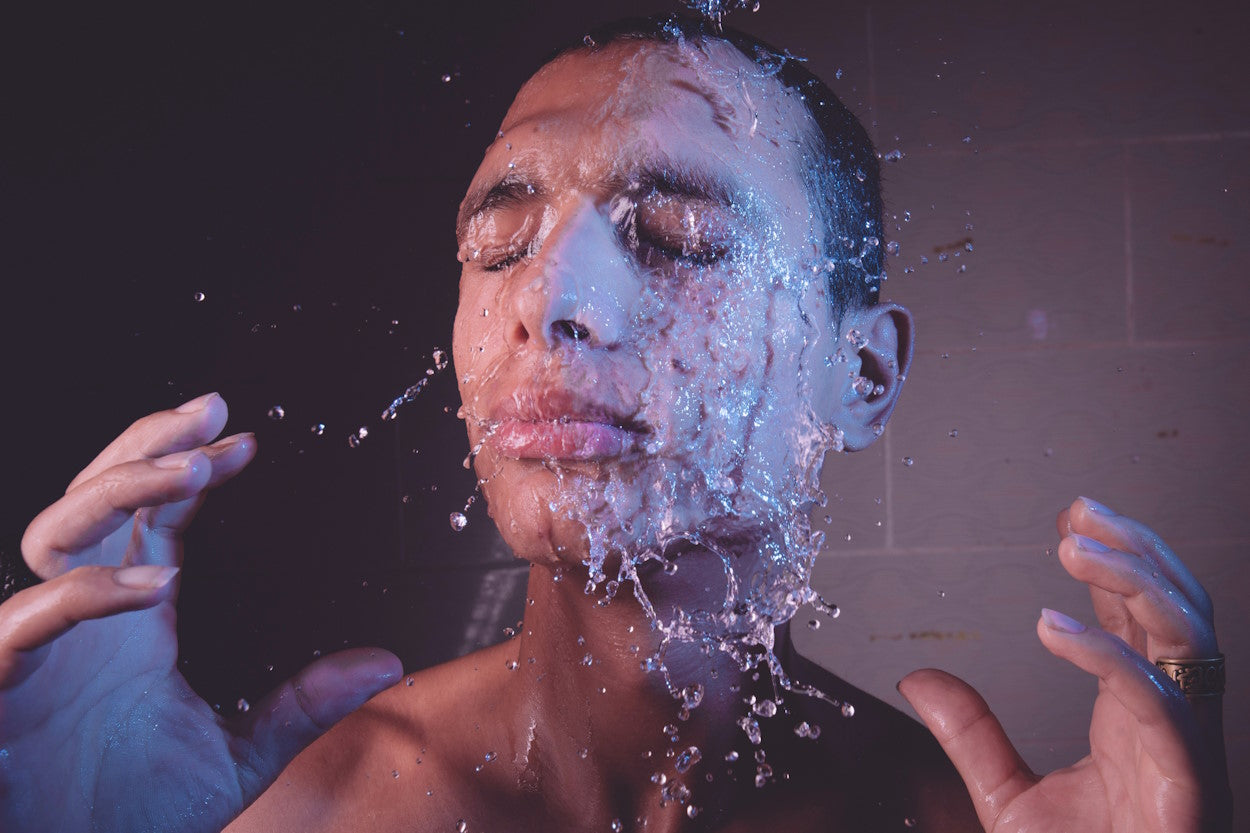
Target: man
666,319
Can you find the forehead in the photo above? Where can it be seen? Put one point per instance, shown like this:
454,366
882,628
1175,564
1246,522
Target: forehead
590,114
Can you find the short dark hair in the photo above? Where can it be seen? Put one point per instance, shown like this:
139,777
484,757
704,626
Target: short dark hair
840,169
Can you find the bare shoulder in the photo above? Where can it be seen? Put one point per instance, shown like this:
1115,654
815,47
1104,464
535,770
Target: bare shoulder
888,761
381,763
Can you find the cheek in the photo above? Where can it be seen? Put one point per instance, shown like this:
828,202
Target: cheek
708,365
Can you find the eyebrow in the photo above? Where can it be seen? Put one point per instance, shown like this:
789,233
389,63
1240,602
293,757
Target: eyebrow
512,190
664,176
677,178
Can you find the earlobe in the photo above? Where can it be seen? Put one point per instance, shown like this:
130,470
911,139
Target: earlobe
882,339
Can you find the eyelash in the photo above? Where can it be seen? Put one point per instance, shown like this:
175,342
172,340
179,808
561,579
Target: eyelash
508,260
694,260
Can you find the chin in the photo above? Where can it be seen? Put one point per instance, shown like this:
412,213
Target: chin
519,498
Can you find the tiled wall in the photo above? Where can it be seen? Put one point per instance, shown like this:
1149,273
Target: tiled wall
1093,340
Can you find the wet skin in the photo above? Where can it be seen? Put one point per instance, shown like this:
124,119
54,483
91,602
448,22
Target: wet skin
603,364
618,322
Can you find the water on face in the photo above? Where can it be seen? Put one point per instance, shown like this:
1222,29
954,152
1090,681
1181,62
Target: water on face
726,348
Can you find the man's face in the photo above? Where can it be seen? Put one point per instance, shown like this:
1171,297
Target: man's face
644,349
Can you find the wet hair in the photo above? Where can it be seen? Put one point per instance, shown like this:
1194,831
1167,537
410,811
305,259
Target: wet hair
839,165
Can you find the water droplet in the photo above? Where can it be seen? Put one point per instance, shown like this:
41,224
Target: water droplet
242,705
458,521
731,755
765,708
856,339
408,681
691,810
461,825
616,825
394,773
848,710
670,732
941,594
807,730
198,297
814,624
954,432
689,757
318,428
907,461
490,756
440,359
447,80
762,773
588,660
277,412
583,753
692,695
862,385
909,822
752,728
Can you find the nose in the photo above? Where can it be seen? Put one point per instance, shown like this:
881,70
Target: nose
578,287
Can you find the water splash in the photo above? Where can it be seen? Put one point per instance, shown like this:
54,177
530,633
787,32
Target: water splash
714,11
414,390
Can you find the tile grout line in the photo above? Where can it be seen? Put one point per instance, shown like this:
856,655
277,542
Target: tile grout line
1130,326
872,108
980,549
872,73
1063,347
1097,142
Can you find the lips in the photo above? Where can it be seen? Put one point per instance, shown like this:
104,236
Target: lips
556,424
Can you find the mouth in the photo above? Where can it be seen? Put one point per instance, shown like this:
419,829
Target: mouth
555,424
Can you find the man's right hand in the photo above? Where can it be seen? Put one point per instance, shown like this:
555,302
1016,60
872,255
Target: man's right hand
98,730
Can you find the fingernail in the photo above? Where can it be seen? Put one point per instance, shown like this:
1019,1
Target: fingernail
145,576
1089,544
1056,621
196,404
230,442
1096,507
175,461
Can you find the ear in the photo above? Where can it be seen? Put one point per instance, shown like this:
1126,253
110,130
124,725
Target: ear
878,344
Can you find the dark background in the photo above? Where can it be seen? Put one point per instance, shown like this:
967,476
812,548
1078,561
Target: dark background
300,165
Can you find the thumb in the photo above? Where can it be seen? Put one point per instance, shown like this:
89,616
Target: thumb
972,738
305,707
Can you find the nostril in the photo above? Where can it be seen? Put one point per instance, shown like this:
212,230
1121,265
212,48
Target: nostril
564,328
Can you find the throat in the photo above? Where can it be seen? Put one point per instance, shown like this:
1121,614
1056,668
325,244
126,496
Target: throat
598,733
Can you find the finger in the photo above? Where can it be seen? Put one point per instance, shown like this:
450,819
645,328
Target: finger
228,456
36,616
98,507
191,424
278,728
1153,602
1167,730
1092,519
972,738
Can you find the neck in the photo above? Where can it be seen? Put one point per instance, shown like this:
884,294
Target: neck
597,731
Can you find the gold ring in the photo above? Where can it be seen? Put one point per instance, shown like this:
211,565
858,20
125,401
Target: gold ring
1197,677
